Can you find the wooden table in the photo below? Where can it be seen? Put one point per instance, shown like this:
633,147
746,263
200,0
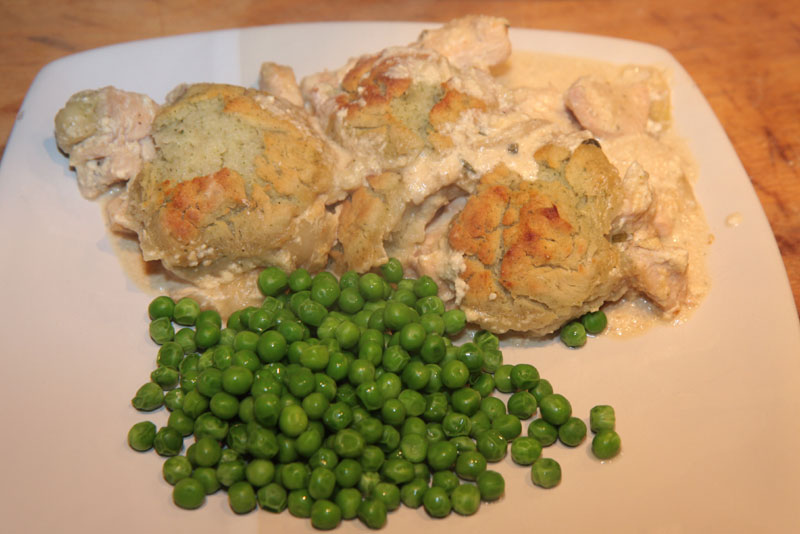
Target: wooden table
744,55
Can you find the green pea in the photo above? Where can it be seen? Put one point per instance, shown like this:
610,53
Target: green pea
542,389
321,483
186,311
543,432
325,289
148,397
414,447
207,476
348,500
456,424
185,338
470,465
181,422
168,441
525,450
433,323
173,399
573,334
524,376
455,374
478,423
396,315
161,306
141,436
272,281
454,321
348,443
370,285
437,502
370,395
466,499
372,512
572,432
606,444
413,492
261,442
594,322
502,378
390,439
189,494
311,312
161,330
293,420
441,455
415,375
508,425
372,458
491,485
389,494
493,407
272,497
555,409
170,355
522,404
325,515
483,383
546,473
176,469
392,270
398,470
601,418
207,335
259,472
492,445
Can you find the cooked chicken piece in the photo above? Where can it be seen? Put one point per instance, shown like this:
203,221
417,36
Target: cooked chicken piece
658,271
242,180
537,254
472,41
279,80
635,102
106,133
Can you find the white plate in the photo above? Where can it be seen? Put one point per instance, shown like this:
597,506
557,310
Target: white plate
708,411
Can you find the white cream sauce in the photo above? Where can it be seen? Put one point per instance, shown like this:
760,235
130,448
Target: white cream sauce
538,82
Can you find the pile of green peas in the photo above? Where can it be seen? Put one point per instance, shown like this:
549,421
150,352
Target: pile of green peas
345,399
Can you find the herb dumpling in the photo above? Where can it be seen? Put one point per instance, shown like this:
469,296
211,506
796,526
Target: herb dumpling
538,253
241,179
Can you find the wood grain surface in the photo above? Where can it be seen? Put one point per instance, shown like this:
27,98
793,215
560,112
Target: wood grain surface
744,55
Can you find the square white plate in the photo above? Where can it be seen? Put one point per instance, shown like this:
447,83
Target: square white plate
708,411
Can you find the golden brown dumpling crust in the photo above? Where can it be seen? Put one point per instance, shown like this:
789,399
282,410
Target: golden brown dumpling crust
240,180
539,253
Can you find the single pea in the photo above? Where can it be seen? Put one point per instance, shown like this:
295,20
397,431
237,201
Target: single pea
543,432
189,494
396,315
370,285
161,330
245,340
348,500
168,441
413,401
432,322
572,432
492,360
348,443
542,389
436,408
293,420
454,321
412,336
491,485
478,423
437,502
471,355
224,405
573,334
349,279
325,289
404,296
398,470
525,450
299,280
606,444
181,422
242,497
186,311
425,286
555,409
261,442
493,407
372,458
446,480
413,492
175,469
524,376
546,473
492,445
389,494
259,472
272,281
392,270
161,306
455,374
185,338
466,401
165,377
272,497
470,465
502,379
321,483
311,312
466,499
594,322
325,515
433,348
141,436
456,424
207,476
393,412
508,425
441,455
601,418
209,382
372,512
390,439
173,399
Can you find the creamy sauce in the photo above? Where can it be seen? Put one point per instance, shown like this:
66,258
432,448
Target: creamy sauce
550,76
